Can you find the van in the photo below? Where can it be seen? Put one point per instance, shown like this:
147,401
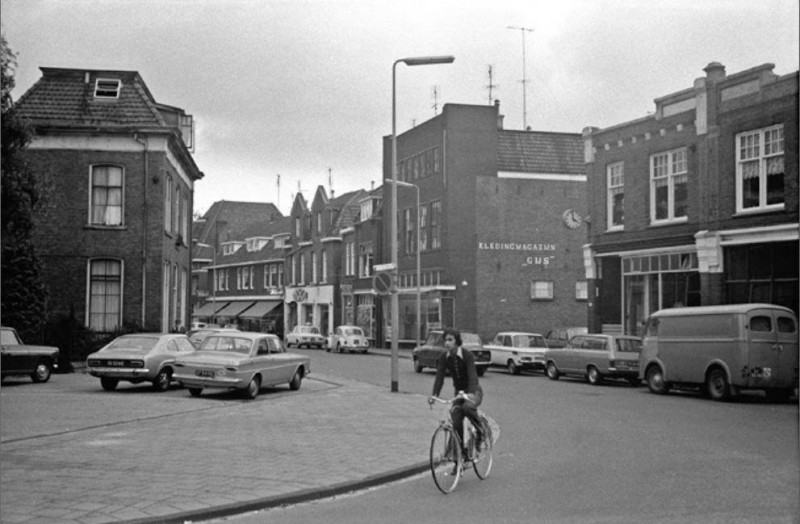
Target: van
723,349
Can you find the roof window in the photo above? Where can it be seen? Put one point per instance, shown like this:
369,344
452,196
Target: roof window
106,88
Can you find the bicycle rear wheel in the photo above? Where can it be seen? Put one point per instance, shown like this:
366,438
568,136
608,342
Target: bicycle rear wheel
483,461
446,459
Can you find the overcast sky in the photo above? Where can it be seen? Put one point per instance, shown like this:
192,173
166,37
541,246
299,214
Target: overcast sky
297,87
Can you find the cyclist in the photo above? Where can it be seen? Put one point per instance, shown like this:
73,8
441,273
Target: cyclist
461,364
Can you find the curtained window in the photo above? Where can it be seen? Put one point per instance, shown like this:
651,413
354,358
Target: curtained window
106,195
105,295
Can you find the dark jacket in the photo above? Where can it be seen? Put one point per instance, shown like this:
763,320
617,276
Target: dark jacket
465,376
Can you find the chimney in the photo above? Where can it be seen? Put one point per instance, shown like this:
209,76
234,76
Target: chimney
499,116
715,72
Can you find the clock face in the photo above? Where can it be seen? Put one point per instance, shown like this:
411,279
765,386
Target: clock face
572,218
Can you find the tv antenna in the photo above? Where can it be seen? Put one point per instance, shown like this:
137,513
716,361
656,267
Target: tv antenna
279,191
491,86
522,31
435,94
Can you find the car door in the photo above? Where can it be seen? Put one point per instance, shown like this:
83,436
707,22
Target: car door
762,351
14,356
267,362
569,356
785,374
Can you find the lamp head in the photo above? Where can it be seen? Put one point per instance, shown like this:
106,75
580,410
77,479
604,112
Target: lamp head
427,60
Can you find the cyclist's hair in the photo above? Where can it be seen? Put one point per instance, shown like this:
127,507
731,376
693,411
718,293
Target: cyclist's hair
453,333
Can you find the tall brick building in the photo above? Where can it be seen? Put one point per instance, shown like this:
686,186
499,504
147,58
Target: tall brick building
115,237
698,203
500,226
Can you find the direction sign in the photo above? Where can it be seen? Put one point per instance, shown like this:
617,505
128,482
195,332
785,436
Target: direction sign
382,283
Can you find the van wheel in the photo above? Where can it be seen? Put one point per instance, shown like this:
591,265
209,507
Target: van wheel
552,371
593,376
655,381
513,368
717,385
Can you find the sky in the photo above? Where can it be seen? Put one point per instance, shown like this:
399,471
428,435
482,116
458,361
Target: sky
288,95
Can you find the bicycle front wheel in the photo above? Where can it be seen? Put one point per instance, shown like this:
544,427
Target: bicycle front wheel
483,461
446,459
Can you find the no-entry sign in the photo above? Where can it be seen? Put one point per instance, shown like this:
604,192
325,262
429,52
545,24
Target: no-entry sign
382,282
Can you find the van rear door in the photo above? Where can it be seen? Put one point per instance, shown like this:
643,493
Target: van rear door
785,374
763,354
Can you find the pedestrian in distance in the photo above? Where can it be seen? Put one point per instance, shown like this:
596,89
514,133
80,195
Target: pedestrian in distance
461,364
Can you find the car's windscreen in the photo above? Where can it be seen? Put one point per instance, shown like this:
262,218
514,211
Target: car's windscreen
8,338
226,344
138,343
311,330
470,338
529,341
629,345
353,331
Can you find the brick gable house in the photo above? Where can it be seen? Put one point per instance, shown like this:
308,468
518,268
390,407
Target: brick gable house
114,238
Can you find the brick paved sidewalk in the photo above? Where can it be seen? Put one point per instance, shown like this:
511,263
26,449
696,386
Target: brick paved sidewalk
332,436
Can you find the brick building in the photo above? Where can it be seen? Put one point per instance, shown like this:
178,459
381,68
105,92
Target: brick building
114,239
500,225
696,204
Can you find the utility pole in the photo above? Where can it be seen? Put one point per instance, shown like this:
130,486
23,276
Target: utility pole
522,31
491,86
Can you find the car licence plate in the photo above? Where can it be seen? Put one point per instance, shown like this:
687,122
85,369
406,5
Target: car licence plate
204,373
116,363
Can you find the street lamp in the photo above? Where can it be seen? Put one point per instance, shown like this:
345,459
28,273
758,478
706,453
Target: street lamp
419,272
395,303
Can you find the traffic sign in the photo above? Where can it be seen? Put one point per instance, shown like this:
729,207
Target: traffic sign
382,283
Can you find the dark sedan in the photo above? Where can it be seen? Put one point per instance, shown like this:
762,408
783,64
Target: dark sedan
37,362
425,356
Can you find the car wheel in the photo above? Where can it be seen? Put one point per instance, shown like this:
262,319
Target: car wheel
42,372
417,366
108,383
195,392
552,371
253,388
481,370
162,380
513,368
328,349
655,381
717,385
593,376
297,379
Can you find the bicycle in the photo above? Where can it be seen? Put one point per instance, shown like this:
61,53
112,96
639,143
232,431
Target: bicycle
446,458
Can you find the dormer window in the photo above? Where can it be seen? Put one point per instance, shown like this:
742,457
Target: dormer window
366,210
230,248
107,88
256,243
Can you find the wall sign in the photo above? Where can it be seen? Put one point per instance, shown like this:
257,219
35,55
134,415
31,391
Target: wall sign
540,251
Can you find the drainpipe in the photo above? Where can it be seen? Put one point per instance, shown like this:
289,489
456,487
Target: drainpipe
144,226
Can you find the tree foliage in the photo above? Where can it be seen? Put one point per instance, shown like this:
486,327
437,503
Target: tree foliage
22,289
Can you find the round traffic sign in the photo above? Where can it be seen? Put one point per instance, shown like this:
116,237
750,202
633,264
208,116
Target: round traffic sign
382,282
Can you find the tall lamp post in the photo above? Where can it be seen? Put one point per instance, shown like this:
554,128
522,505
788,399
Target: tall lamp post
419,269
395,303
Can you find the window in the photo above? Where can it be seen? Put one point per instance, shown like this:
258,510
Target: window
365,259
349,259
319,222
410,236
167,203
542,290
615,175
423,228
324,262
106,197
302,278
314,268
176,215
759,170
436,225
105,295
582,290
185,218
668,186
297,228
294,269
106,88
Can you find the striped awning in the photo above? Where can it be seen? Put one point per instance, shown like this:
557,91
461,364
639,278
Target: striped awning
234,308
209,308
261,308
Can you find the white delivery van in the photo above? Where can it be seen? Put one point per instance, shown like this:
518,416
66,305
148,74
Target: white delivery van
723,349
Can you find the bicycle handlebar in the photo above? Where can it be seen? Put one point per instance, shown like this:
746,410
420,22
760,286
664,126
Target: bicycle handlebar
461,395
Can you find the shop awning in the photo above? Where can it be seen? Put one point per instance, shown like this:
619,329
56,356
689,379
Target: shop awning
234,308
209,308
261,308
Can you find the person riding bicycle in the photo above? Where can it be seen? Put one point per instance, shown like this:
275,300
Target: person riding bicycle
461,364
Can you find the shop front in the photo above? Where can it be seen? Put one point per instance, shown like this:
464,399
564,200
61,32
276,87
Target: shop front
309,306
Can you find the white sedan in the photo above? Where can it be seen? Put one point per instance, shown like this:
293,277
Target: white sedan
516,350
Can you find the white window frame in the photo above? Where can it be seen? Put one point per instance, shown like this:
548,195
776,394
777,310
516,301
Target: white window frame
105,221
314,267
324,263
109,89
615,184
541,290
90,280
582,290
302,268
167,203
365,259
675,171
758,152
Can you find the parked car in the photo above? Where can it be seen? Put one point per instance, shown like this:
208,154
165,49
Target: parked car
37,362
425,356
306,336
198,336
518,351
348,338
196,326
559,336
596,357
241,360
137,358
722,349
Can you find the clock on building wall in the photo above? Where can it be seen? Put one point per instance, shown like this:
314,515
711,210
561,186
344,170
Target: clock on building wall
572,218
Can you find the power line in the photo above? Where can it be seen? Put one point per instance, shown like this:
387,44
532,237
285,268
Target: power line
522,31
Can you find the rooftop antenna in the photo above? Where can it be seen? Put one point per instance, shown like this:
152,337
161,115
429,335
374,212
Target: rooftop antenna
491,86
279,190
522,31
435,100
330,182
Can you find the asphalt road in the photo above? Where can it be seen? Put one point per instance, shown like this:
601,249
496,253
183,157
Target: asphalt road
570,452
